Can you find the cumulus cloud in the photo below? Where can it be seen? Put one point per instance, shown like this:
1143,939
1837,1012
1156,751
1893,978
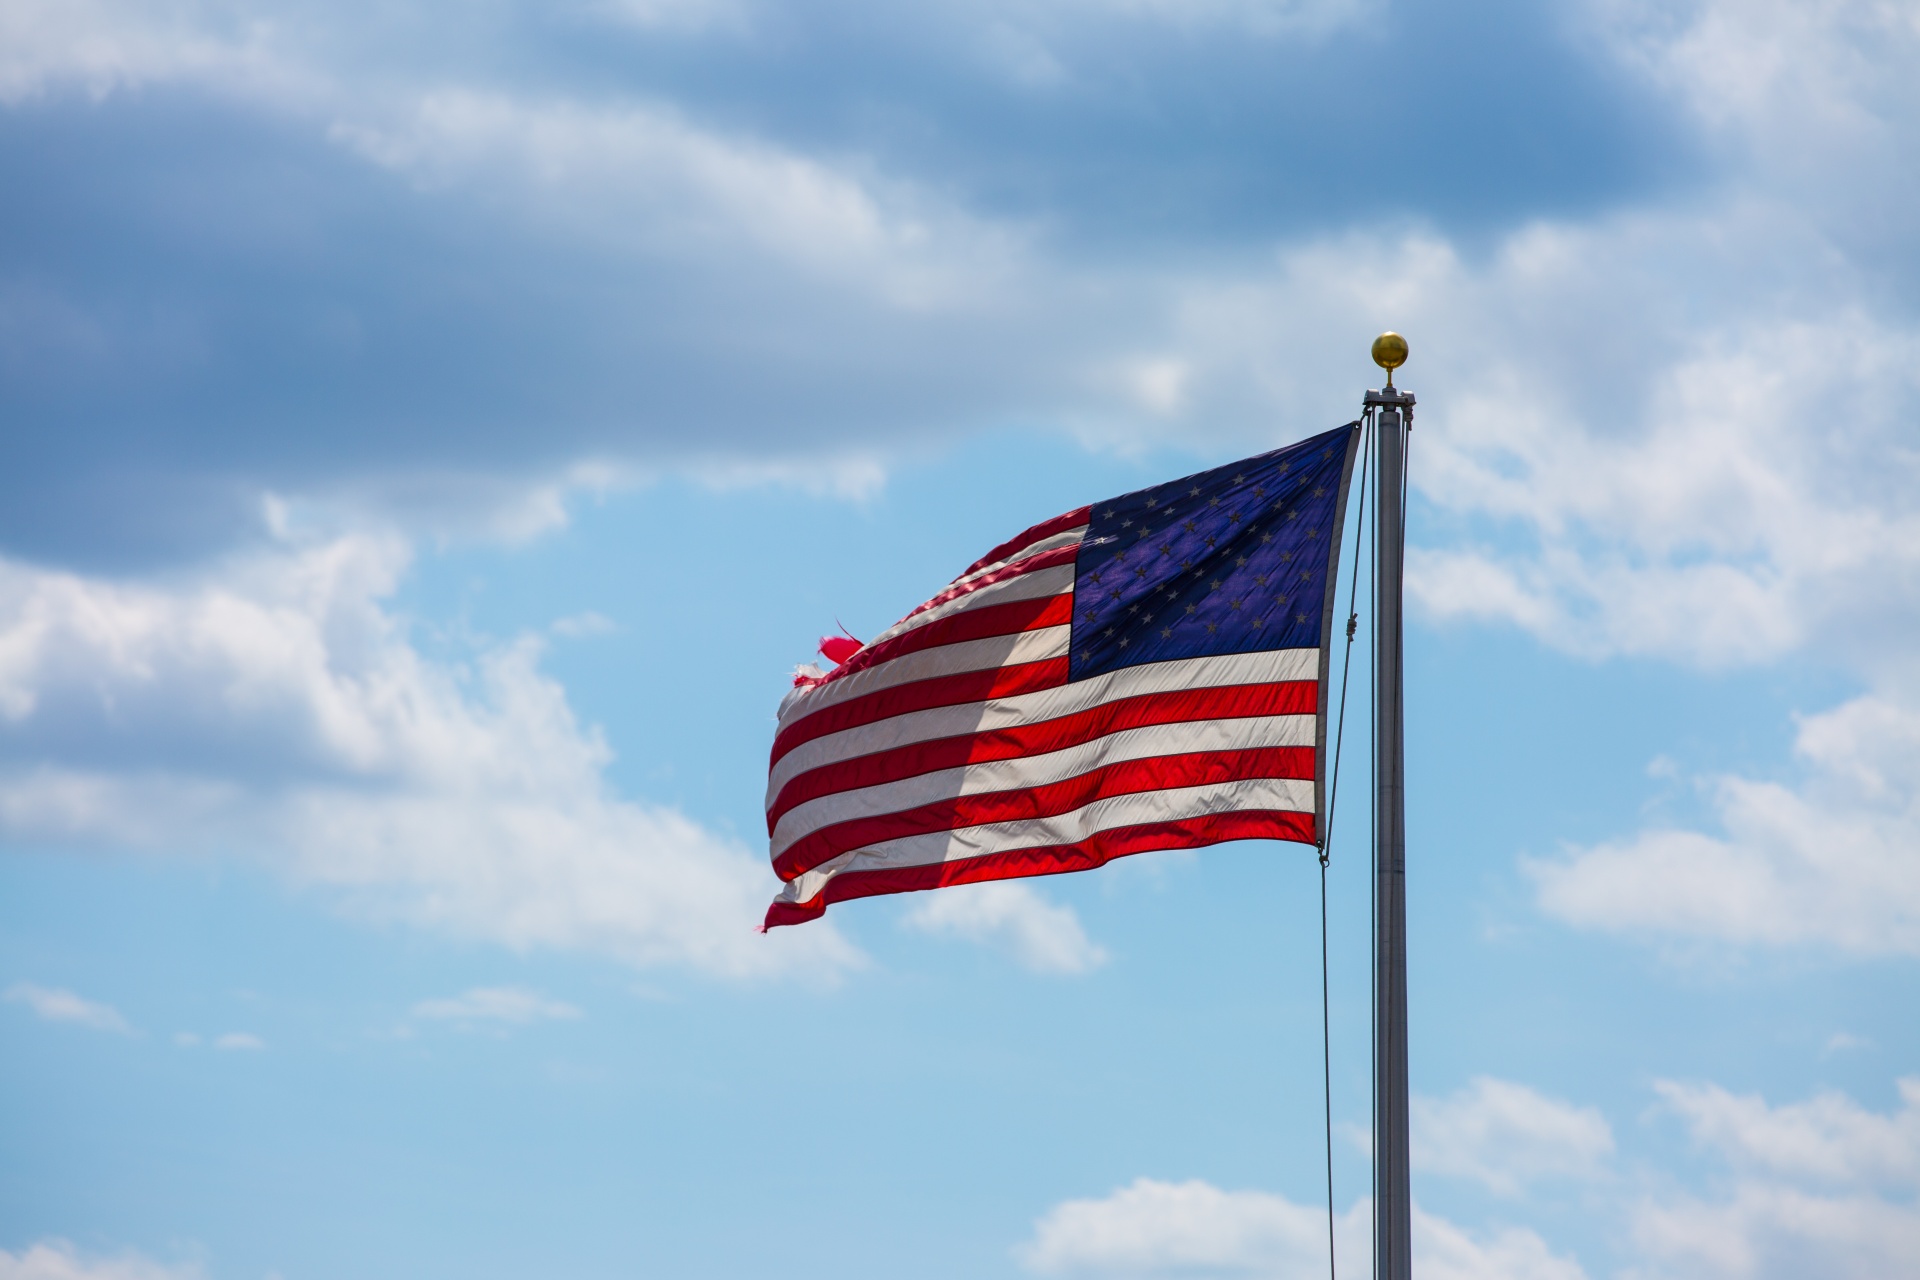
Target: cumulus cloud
643,175
512,1005
625,174
57,1004
271,707
1164,1228
1721,484
1772,1232
1810,99
1827,861
101,46
1505,1136
1044,936
239,1042
1828,1138
59,1260
1822,1187
1151,1228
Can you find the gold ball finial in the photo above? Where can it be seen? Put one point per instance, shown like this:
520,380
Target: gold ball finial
1389,352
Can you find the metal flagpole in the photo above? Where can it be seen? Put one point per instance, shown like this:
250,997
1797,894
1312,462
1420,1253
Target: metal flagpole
1392,1195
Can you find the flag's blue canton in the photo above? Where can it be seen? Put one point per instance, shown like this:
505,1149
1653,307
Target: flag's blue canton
1233,560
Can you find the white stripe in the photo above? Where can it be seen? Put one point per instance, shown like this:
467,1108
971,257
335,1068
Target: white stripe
1045,704
953,659
1069,538
1055,581
1146,742
1286,794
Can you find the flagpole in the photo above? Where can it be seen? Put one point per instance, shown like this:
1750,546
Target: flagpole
1392,1194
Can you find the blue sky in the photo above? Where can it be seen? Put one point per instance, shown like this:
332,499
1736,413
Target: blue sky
434,433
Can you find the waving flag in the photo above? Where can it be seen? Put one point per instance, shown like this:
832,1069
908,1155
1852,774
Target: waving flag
1146,673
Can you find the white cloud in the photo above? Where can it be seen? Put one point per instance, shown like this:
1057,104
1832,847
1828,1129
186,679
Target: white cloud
104,46
1772,1232
1044,936
1615,475
59,1260
272,708
1827,862
1804,1201
629,175
1445,1251
1163,1228
239,1041
1812,98
642,176
514,1005
1506,1136
1823,1187
56,1004
1829,1138
1152,1228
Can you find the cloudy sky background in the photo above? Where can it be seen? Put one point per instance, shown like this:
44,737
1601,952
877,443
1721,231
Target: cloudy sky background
433,433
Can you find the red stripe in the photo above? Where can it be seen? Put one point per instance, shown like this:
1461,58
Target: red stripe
1032,564
1096,850
1020,541
1123,777
1281,698
979,623
920,695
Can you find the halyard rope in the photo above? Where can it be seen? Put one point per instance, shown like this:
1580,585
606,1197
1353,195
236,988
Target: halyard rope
1326,844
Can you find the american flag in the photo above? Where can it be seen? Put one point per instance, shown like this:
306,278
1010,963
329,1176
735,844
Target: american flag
1149,672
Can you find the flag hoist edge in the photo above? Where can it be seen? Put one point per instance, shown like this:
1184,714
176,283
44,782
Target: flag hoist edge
1149,672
